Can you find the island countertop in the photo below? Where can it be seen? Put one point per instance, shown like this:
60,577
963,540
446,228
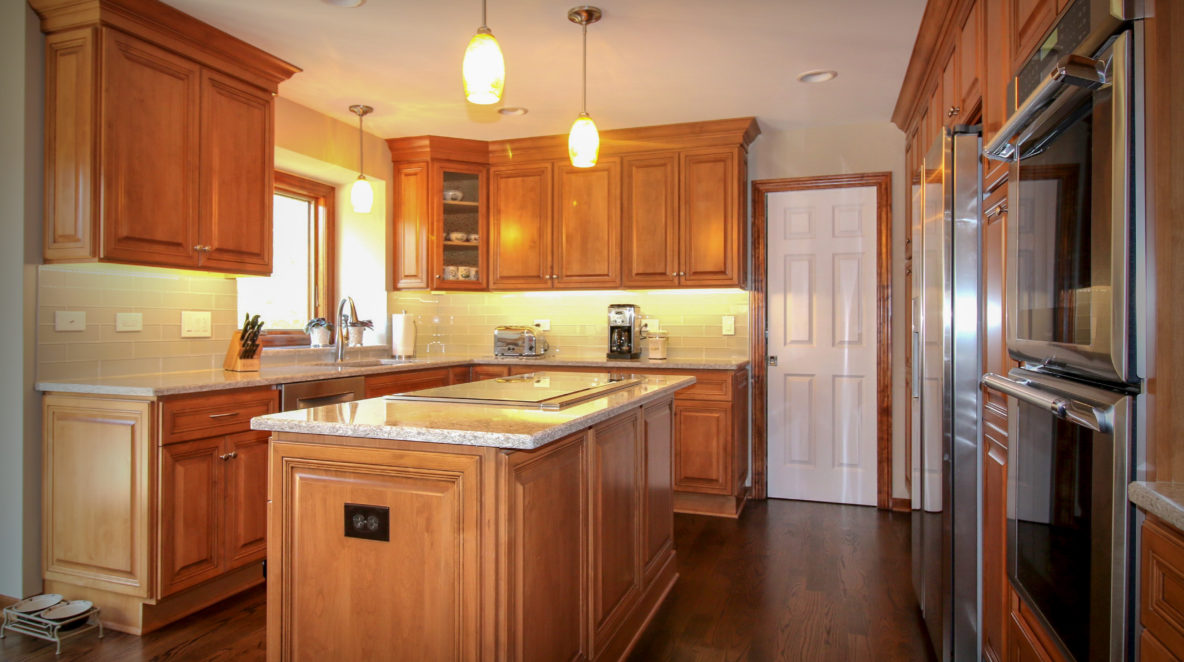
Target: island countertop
497,426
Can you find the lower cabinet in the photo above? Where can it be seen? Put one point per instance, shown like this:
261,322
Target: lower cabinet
483,372
401,382
1162,591
213,507
154,509
994,535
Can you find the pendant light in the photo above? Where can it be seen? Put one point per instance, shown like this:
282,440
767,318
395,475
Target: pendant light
361,195
583,143
484,68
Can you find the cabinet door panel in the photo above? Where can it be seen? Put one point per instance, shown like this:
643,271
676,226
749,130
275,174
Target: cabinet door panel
711,232
191,503
739,439
246,498
150,164
1030,19
616,525
949,91
520,227
70,141
658,503
701,437
587,233
995,356
412,226
379,385
649,221
547,509
483,372
236,176
970,62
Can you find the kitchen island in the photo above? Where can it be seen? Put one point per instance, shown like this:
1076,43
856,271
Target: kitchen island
459,531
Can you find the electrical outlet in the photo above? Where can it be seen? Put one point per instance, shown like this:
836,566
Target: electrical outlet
729,324
195,324
129,322
368,522
543,325
69,320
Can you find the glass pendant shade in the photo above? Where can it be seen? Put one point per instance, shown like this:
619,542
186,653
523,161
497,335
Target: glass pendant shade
484,69
583,143
361,195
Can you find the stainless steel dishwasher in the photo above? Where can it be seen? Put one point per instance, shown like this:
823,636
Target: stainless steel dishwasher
302,395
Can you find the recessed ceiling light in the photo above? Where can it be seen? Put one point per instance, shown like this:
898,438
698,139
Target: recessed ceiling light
817,76
345,3
513,110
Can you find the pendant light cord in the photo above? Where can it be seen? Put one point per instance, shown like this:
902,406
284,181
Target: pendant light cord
483,23
584,96
361,150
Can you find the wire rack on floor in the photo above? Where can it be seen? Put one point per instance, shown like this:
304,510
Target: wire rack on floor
56,631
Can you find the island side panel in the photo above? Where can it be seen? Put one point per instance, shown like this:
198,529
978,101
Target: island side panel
545,567
421,590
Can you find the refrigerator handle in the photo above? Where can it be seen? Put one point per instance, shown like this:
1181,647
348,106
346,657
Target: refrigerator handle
916,364
1071,410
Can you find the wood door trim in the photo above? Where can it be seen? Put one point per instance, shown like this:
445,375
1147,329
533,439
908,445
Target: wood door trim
759,302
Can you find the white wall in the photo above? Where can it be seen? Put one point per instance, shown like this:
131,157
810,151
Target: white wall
21,76
845,149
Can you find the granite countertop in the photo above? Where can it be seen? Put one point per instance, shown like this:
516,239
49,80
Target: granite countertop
466,424
1164,500
175,383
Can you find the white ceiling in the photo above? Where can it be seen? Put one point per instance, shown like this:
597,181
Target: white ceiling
649,61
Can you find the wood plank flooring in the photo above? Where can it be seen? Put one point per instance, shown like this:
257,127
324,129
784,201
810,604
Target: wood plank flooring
790,580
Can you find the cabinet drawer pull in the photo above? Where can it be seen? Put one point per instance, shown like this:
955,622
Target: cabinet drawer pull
228,456
225,415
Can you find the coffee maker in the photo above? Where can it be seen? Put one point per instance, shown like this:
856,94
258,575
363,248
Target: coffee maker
624,331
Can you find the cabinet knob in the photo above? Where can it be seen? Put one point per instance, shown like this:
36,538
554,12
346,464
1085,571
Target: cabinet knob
954,111
228,456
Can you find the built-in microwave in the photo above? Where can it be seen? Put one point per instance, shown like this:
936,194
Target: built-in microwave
1071,235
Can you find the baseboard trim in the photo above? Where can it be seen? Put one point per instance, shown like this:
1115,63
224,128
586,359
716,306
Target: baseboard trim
901,505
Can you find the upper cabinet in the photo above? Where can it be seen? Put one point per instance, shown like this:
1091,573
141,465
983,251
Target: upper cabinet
665,206
1030,19
159,138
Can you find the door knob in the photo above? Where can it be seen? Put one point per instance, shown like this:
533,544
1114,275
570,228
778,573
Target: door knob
772,360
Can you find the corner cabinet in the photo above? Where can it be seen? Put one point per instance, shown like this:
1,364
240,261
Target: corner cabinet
154,508
664,207
159,140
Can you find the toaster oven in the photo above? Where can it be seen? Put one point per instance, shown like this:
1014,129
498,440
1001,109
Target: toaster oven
518,341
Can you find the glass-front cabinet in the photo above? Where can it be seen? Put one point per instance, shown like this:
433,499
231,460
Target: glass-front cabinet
459,237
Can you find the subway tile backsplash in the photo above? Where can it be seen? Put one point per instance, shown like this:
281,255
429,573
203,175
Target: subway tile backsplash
100,291
464,322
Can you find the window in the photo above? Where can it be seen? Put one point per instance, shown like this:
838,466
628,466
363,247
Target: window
300,286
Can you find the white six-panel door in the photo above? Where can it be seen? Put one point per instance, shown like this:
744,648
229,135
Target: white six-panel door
822,328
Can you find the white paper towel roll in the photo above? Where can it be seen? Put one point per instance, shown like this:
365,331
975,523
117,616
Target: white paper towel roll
402,335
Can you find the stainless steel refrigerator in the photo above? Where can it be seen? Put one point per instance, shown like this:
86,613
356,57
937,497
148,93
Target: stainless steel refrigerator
947,358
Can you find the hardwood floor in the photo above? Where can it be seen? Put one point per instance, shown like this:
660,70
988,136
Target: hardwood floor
790,580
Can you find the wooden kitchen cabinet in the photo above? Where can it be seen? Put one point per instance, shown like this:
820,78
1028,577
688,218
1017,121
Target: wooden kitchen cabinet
459,375
520,226
650,246
432,233
970,58
1028,21
483,372
401,382
174,491
713,209
1162,590
586,236
159,139
994,541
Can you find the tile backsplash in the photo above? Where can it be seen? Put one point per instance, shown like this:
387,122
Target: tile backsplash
579,324
100,291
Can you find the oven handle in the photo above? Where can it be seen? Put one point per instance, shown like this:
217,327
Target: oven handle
1071,70
1064,408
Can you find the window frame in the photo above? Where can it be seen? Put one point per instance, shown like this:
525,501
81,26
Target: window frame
323,288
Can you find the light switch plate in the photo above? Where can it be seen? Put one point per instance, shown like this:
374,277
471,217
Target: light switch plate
543,325
69,320
129,322
195,324
729,324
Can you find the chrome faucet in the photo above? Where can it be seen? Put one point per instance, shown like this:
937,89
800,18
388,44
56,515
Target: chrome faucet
344,320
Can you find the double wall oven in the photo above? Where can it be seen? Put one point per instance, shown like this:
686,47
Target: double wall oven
1072,322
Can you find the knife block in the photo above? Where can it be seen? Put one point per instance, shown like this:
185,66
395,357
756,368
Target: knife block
233,363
